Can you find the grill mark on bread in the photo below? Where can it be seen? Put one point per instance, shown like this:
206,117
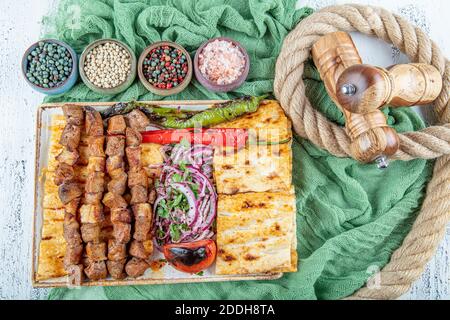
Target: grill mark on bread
250,257
229,257
234,190
246,205
272,175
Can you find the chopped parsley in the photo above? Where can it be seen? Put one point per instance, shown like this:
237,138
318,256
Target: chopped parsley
163,210
182,164
177,178
177,200
175,233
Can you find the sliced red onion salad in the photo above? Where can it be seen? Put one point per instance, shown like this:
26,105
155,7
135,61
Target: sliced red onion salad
186,205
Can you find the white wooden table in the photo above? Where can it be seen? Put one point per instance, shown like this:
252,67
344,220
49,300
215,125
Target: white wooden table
20,26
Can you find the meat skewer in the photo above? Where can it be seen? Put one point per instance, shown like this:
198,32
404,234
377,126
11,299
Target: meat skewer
70,191
117,186
91,212
141,247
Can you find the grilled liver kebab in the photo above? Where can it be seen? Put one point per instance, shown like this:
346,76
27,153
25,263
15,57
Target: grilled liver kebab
141,247
120,214
70,191
91,212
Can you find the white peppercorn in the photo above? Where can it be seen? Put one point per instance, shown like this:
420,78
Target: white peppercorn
107,65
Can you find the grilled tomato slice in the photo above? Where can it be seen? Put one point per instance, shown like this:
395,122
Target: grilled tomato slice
191,257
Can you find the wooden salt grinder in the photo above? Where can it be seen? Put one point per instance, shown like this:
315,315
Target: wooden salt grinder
371,138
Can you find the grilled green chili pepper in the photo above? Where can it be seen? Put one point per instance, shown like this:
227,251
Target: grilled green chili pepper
182,119
219,113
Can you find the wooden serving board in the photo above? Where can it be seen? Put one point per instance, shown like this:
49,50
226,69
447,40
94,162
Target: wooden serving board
167,274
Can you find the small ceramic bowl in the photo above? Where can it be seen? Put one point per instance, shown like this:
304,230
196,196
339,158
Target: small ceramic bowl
62,87
108,91
212,86
173,90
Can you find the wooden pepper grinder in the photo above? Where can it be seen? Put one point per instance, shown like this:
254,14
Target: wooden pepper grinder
361,90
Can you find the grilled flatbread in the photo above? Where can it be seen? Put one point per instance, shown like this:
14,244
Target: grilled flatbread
51,257
255,168
256,233
268,123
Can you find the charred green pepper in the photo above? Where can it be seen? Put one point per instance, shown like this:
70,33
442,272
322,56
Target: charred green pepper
182,119
219,113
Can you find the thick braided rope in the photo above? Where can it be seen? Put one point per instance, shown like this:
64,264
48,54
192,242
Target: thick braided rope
408,261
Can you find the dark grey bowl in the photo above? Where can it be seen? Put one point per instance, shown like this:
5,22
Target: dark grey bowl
212,86
63,87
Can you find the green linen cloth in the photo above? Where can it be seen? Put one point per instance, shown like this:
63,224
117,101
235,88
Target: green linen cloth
350,217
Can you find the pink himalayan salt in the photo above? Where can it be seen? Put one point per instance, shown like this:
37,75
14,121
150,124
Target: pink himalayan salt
221,62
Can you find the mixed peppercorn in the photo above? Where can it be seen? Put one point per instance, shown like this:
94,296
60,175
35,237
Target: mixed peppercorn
165,67
49,65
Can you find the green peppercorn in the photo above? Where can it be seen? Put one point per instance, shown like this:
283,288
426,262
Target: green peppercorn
48,65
